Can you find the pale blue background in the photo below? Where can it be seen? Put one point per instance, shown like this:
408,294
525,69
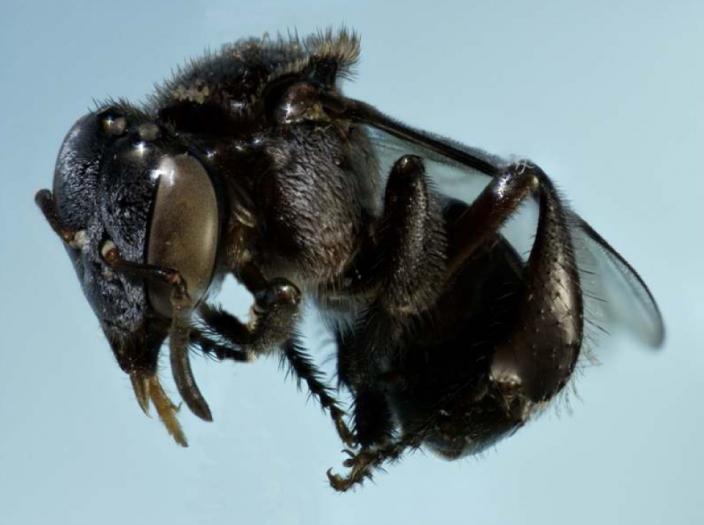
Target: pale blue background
607,96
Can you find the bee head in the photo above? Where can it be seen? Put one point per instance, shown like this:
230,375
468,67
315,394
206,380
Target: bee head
132,205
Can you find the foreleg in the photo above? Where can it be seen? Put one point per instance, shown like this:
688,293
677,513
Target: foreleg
274,317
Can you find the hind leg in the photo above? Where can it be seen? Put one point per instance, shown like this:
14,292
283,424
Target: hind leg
539,354
537,357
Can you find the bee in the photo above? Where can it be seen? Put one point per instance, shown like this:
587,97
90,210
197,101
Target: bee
252,162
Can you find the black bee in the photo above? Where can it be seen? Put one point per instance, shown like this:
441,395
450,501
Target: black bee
252,162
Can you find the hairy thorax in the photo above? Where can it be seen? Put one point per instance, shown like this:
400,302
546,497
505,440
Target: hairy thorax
319,189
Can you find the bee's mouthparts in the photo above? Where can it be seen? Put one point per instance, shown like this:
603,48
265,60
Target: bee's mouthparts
147,388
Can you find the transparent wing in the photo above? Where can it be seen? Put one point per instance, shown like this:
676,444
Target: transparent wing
625,299
616,297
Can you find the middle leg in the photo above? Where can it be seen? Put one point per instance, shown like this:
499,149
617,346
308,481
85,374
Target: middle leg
406,272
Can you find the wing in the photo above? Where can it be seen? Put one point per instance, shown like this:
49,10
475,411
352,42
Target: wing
625,299
615,296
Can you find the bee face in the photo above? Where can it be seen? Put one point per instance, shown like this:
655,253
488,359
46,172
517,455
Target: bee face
123,185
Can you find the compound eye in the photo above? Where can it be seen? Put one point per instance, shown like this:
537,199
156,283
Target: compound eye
184,229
